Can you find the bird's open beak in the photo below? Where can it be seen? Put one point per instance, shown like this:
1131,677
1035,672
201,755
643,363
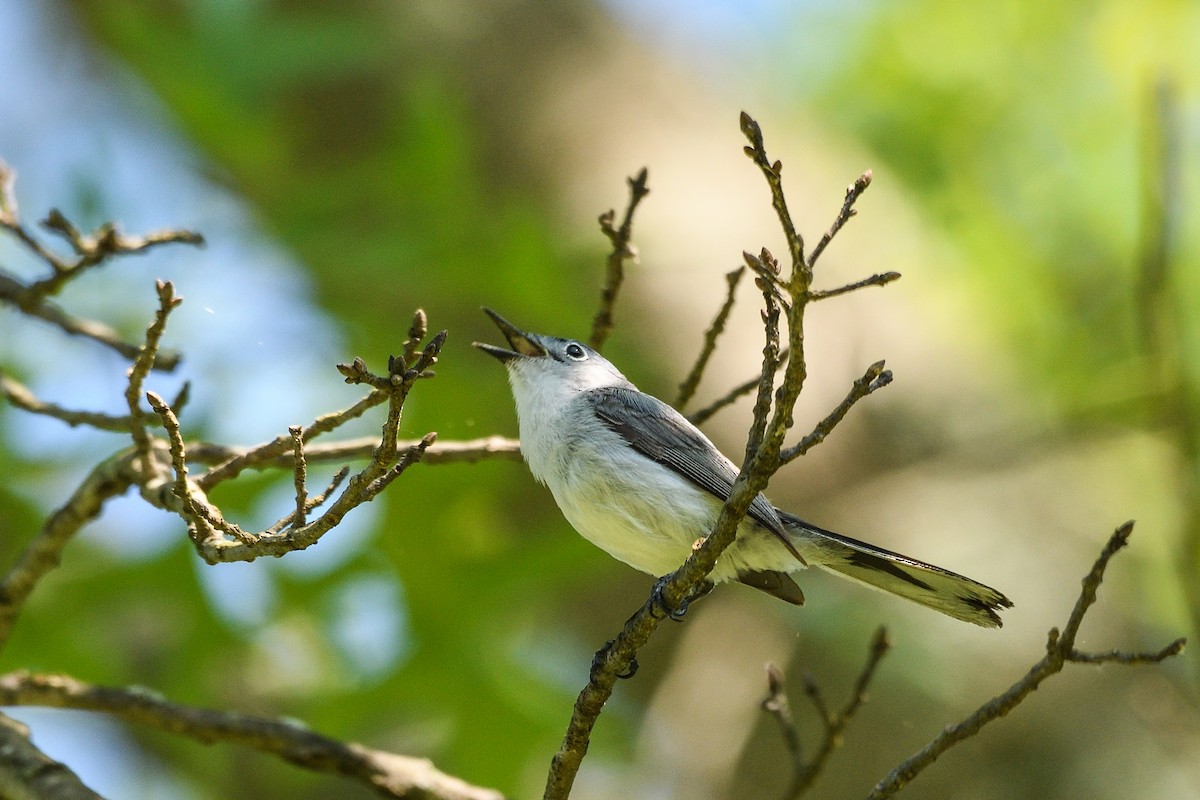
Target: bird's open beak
522,344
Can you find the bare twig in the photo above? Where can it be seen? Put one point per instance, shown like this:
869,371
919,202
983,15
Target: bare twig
688,388
159,467
136,375
17,294
622,251
95,249
207,527
313,502
772,171
299,474
853,192
881,279
876,377
90,250
110,478
776,704
218,541
20,396
834,723
388,774
268,453
766,380
1060,650
732,396
268,456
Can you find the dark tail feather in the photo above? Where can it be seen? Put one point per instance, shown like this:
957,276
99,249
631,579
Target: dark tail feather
776,584
934,587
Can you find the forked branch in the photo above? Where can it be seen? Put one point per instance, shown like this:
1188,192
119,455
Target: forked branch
834,723
620,236
1060,651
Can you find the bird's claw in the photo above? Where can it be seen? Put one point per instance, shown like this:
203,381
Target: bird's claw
602,654
660,608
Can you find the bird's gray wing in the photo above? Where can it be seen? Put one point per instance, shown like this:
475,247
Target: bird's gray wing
662,434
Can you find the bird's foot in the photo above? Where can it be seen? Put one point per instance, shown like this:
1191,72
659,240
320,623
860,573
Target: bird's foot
660,608
602,654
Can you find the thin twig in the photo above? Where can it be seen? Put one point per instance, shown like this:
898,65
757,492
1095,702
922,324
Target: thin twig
95,249
688,387
91,250
313,502
280,447
622,251
111,478
876,377
880,279
17,294
772,171
467,451
834,723
732,396
776,704
206,524
853,192
409,457
388,774
299,474
136,375
218,541
1060,649
23,398
766,378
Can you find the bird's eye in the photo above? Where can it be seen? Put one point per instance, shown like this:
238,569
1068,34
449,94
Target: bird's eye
576,352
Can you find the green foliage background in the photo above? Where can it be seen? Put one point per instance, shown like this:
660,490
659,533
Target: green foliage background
393,149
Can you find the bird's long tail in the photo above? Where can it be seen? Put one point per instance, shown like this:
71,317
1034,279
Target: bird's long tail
934,587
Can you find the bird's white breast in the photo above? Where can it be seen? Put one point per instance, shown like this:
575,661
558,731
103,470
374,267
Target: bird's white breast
637,510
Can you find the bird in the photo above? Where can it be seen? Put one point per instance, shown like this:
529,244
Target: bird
636,478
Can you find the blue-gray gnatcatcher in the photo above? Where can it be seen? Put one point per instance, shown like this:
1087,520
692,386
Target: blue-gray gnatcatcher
634,477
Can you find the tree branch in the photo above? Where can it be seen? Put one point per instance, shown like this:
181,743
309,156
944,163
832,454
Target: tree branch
732,396
880,279
772,171
853,192
159,467
1060,650
622,251
834,723
20,396
109,479
136,375
219,541
26,773
390,775
468,451
688,387
91,250
876,377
